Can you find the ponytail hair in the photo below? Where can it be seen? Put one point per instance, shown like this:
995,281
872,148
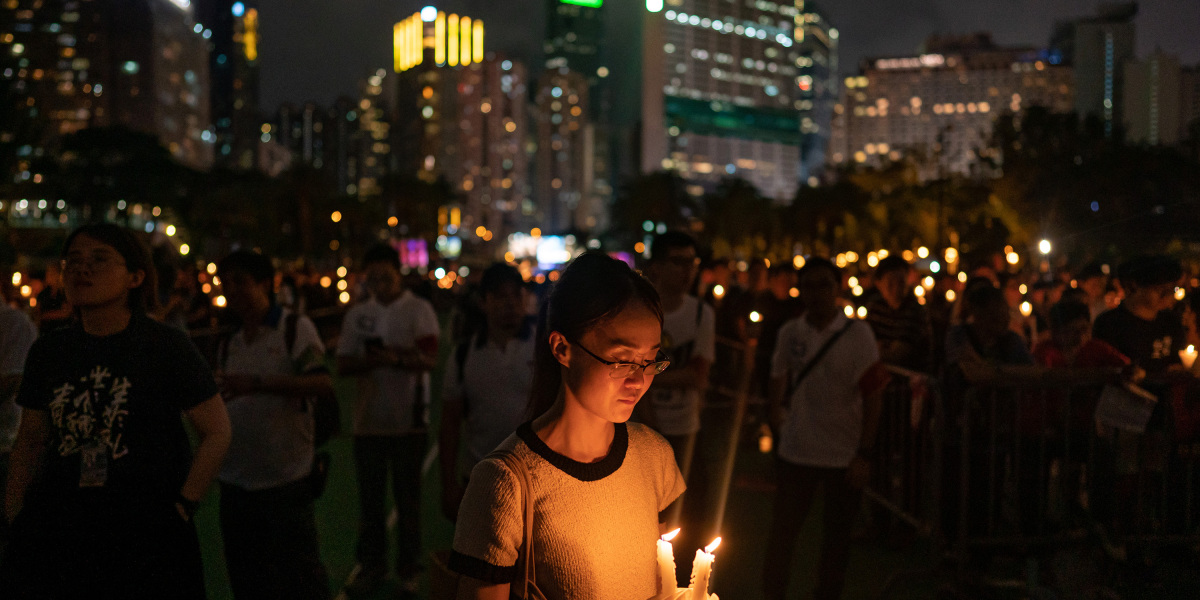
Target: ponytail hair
593,289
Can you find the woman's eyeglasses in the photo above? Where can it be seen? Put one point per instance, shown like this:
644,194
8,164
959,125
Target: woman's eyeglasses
94,263
624,370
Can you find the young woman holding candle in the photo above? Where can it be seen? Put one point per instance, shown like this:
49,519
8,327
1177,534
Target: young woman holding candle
598,484
104,481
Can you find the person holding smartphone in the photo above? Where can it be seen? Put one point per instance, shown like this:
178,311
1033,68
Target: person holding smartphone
389,345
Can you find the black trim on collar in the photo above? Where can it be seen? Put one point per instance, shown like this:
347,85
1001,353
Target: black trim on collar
481,569
579,470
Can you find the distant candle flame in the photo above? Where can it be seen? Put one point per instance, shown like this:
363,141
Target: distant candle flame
670,535
713,546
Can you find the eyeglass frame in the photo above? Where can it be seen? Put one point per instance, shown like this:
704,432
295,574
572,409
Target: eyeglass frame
618,363
90,264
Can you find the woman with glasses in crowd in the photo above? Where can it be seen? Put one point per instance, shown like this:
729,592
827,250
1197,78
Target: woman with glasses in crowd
598,484
103,481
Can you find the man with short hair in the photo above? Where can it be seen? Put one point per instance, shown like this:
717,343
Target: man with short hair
1093,282
268,369
673,405
389,345
824,397
487,380
1143,327
901,324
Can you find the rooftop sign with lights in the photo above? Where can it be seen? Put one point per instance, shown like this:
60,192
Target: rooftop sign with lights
916,62
455,40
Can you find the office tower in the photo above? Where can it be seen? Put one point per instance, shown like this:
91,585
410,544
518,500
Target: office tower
938,109
489,164
1097,48
818,88
1189,102
462,116
429,47
575,41
319,138
720,92
233,64
374,125
139,64
564,167
1153,93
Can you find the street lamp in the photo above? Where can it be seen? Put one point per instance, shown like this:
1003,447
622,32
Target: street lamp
1044,246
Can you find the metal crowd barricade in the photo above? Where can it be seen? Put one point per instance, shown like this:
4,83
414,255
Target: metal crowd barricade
1024,470
906,480
1038,468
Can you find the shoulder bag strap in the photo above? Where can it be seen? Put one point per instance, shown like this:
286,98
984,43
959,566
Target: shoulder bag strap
525,557
812,363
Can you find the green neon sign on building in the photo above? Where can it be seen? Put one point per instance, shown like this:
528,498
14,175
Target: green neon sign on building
588,3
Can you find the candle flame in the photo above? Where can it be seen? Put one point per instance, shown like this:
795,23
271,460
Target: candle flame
670,535
713,546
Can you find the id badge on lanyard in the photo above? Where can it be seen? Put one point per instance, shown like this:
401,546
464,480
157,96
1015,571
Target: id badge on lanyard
93,465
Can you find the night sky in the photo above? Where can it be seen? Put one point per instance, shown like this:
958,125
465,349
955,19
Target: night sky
319,49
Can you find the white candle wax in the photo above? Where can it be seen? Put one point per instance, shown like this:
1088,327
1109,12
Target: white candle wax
1188,357
666,562
702,571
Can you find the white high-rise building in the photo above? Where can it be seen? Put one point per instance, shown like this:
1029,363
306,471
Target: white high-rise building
720,92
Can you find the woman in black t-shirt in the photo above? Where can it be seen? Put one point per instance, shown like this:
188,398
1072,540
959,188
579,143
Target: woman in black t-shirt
103,481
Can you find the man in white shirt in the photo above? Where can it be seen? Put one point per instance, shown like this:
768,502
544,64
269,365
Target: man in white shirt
389,345
269,368
673,404
487,380
17,333
826,368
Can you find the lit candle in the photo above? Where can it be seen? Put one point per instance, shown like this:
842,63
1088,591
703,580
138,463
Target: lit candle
702,571
1188,357
666,562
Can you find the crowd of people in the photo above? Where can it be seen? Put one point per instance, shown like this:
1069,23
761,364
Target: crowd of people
103,478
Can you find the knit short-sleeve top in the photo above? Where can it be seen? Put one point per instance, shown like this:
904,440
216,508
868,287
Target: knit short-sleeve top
595,524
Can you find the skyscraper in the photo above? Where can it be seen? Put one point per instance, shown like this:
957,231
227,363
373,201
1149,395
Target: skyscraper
139,64
564,167
574,39
817,87
939,108
490,165
1152,100
718,99
233,63
462,115
1097,48
1189,102
575,43
324,139
375,157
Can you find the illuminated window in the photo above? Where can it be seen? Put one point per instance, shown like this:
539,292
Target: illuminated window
451,40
